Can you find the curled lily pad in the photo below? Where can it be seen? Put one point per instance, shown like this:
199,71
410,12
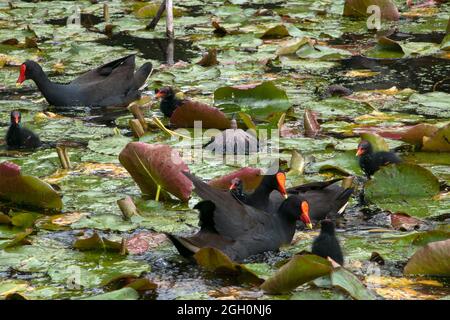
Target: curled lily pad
311,125
347,281
260,99
151,165
415,134
299,270
95,242
210,117
358,8
404,222
19,239
377,142
276,32
251,178
216,261
291,46
27,190
395,185
432,259
440,141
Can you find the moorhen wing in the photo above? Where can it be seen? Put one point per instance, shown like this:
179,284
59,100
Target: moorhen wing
370,161
326,244
233,141
267,196
326,199
18,137
258,232
113,84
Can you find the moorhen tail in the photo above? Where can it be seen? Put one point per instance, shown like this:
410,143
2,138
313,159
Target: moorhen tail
233,141
261,235
267,196
113,84
18,137
370,161
326,244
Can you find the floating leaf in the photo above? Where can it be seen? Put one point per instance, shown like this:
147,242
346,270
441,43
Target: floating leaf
27,190
24,219
251,178
358,8
299,270
440,141
151,165
276,32
259,99
19,238
122,294
291,46
209,59
377,142
347,281
432,259
129,281
216,261
404,222
144,241
312,127
310,51
445,45
210,117
95,242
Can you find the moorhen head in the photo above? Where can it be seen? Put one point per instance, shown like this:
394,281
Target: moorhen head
296,207
326,244
169,100
18,137
237,189
112,84
370,161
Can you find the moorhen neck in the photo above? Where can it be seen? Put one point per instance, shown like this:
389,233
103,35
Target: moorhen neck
370,162
326,244
238,230
267,196
113,84
18,137
169,101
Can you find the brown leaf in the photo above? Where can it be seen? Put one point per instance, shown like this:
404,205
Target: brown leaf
144,241
251,178
209,59
404,222
190,111
311,125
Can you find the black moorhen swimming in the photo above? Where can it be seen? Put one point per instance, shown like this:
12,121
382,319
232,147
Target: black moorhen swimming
18,137
267,196
370,162
238,230
111,85
325,199
326,244
169,101
233,141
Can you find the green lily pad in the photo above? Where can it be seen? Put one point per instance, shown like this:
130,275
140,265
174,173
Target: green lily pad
432,259
121,294
309,51
347,281
377,142
440,141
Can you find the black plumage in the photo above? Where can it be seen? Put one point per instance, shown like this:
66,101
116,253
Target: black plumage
18,137
370,161
169,101
326,244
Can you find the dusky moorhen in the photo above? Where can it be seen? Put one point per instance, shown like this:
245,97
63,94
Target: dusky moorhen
169,101
18,137
326,244
113,84
258,232
370,161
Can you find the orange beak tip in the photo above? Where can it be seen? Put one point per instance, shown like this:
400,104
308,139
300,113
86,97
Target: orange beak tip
285,196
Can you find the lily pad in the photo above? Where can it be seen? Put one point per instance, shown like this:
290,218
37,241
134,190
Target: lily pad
347,281
377,142
121,294
358,8
251,178
440,141
27,190
210,117
432,259
299,270
259,99
151,165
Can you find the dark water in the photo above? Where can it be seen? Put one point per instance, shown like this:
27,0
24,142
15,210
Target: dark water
87,20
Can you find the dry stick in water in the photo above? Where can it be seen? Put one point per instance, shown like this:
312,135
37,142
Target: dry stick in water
138,114
106,12
127,207
169,19
63,157
136,127
157,17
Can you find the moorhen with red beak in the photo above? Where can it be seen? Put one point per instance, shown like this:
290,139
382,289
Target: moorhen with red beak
370,161
267,196
236,229
326,244
325,199
111,85
18,137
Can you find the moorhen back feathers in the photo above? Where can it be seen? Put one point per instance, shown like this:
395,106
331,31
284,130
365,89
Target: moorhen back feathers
18,137
326,244
370,162
112,84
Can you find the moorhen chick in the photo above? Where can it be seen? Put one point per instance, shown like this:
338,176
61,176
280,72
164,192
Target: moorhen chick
169,101
18,137
370,161
325,199
113,84
233,141
267,196
326,244
241,231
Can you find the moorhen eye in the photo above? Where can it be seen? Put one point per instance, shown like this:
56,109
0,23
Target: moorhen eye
113,84
370,162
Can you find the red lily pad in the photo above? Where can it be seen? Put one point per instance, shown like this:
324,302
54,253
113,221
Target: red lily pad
151,165
251,178
191,111
404,222
27,190
144,241
358,8
432,259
